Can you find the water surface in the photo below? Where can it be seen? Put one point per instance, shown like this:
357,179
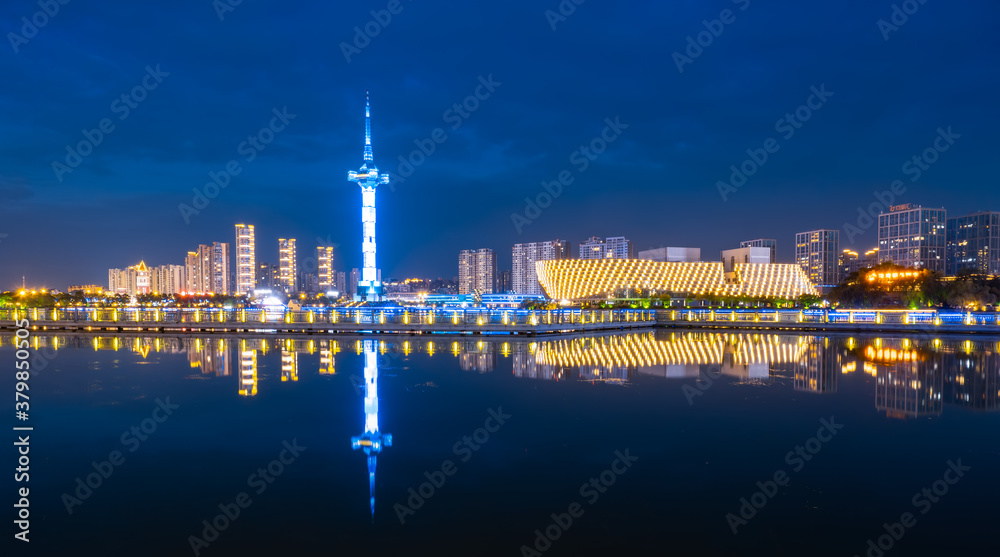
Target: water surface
703,416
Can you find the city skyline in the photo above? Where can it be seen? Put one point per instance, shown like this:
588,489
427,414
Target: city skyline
522,134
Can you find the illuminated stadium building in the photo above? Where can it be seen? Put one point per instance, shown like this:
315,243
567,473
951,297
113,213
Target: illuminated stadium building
582,279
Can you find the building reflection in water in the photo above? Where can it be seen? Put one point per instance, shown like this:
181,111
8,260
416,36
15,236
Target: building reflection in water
372,440
911,377
327,361
248,369
211,355
746,358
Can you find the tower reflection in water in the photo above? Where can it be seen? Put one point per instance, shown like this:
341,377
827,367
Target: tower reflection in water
372,440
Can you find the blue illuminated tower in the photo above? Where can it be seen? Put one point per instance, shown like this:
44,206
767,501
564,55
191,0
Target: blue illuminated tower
369,287
372,440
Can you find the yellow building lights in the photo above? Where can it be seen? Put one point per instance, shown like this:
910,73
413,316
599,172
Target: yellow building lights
589,278
890,276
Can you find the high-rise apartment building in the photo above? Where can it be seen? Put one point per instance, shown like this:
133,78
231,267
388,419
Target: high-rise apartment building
167,279
287,264
309,283
504,281
477,271
818,253
246,260
132,281
324,268
208,269
912,236
974,243
268,276
769,243
353,286
221,277
198,269
617,247
523,278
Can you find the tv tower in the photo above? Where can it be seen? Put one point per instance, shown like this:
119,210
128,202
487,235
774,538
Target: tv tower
369,287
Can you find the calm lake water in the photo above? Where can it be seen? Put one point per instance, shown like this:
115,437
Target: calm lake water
640,444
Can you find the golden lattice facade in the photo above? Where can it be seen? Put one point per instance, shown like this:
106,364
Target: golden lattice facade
575,279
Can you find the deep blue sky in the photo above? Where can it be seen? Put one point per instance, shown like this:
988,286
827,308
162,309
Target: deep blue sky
655,184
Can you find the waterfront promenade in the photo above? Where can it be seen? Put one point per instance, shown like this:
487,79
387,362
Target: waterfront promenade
496,321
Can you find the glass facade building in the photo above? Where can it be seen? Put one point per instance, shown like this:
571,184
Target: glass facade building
974,243
913,236
769,243
818,253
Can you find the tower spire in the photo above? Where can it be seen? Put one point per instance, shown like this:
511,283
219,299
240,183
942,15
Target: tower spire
368,130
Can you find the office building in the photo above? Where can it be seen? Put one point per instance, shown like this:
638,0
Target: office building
912,236
818,253
974,243
768,243
851,261
685,255
324,268
246,260
477,270
287,265
598,279
524,279
617,247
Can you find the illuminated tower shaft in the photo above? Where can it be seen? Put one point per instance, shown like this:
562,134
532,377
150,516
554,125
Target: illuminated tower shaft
369,287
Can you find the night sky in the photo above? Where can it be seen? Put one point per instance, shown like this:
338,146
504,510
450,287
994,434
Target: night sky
220,79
